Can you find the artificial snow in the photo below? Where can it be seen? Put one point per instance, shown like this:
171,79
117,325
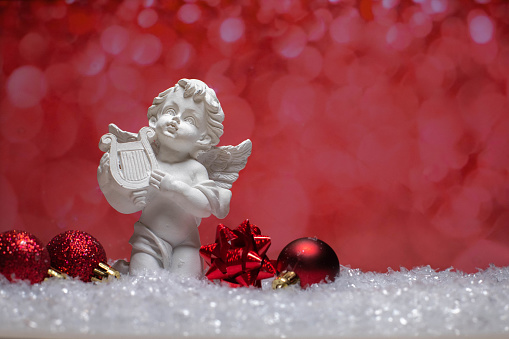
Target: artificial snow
414,302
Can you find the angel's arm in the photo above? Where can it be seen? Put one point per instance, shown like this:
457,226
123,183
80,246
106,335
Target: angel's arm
200,200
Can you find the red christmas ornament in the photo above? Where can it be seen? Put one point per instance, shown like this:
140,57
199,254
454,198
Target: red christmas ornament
23,257
308,260
238,256
78,254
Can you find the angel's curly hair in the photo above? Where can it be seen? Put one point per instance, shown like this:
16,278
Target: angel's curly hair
200,92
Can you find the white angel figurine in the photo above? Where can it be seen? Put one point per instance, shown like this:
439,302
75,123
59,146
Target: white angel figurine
173,172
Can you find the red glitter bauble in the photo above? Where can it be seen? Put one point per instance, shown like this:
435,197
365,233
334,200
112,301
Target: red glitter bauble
311,259
76,253
23,257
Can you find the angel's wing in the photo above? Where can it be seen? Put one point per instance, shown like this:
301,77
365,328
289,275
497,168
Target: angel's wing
122,136
224,163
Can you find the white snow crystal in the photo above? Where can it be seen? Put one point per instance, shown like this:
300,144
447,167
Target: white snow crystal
414,302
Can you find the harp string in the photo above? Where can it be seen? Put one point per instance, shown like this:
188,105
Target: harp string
134,165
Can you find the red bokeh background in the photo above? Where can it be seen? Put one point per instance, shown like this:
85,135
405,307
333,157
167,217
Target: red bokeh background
378,126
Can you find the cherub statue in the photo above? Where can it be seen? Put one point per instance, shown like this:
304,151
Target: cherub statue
173,172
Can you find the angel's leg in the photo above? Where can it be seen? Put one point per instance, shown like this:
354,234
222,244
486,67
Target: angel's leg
186,261
149,251
141,261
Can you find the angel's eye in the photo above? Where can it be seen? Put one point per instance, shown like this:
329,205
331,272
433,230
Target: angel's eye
190,120
170,111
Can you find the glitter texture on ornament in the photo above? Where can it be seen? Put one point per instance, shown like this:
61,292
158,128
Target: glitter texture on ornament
76,253
23,257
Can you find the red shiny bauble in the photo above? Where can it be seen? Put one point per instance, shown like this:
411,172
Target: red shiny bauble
76,253
311,259
23,257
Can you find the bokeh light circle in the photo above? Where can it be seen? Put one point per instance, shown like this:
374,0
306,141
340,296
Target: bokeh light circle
147,18
481,28
146,49
291,43
231,29
189,13
114,39
26,86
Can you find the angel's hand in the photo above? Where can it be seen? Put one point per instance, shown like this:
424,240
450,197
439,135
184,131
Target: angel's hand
139,198
163,181
155,178
103,171
104,164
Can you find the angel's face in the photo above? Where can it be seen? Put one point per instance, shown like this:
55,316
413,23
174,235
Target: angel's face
181,125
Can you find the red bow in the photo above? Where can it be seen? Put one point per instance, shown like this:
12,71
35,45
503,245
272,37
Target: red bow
238,256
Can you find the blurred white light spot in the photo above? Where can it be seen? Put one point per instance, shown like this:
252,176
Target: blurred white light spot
189,13
391,35
297,104
481,29
418,18
147,18
291,43
420,24
345,29
438,6
179,55
91,61
398,36
231,29
308,64
114,39
389,3
26,86
146,49
318,27
339,30
32,46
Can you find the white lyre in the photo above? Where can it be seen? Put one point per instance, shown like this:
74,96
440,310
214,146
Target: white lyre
131,156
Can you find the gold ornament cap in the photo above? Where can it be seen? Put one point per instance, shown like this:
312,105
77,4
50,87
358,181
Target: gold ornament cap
285,279
105,273
54,273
